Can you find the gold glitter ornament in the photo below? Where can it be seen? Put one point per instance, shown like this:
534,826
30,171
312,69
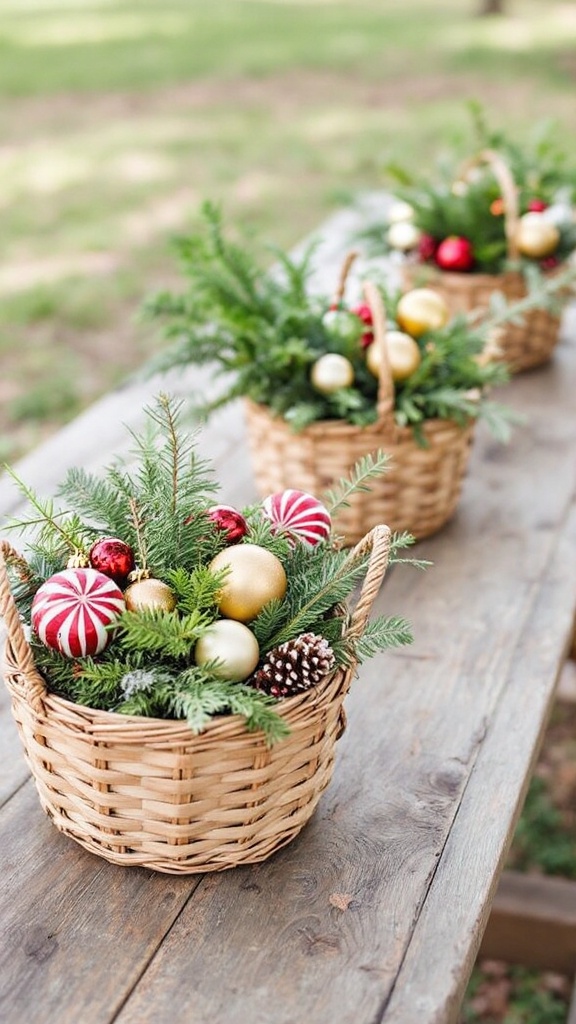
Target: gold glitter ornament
421,310
255,577
149,594
233,645
403,235
536,236
404,355
331,373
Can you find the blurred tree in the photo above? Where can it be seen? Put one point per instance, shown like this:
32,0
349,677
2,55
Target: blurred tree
491,7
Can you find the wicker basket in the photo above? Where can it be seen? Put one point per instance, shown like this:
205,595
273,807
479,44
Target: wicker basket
420,491
147,792
522,345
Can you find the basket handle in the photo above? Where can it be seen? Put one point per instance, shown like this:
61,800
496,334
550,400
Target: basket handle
33,685
377,542
343,277
503,175
386,395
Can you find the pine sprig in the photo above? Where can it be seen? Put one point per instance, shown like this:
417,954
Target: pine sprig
364,470
197,696
381,634
173,635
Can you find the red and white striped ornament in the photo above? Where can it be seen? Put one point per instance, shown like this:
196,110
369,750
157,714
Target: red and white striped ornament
71,610
298,514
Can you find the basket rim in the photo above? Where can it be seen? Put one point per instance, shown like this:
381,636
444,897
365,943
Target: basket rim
342,426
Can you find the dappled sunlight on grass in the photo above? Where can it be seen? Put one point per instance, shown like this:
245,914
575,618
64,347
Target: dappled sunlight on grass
120,116
92,28
556,26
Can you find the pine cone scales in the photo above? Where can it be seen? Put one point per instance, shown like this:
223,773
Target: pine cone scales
294,666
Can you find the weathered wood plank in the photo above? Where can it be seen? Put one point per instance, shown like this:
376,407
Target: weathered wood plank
75,932
13,770
533,923
416,824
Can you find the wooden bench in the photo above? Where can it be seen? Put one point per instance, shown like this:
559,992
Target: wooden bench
377,910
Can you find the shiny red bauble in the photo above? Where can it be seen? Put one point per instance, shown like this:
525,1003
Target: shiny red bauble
455,253
427,247
113,557
536,206
229,521
365,315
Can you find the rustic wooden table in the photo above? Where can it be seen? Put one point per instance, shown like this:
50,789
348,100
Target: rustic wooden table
376,911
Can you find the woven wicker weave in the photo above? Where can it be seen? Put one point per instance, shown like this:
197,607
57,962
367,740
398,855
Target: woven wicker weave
523,345
420,491
146,792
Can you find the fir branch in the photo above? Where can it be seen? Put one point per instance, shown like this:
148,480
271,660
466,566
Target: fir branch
197,696
365,469
382,633
168,633
99,502
197,590
70,531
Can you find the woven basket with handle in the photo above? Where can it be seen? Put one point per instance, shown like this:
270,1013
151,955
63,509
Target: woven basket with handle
420,491
522,345
147,792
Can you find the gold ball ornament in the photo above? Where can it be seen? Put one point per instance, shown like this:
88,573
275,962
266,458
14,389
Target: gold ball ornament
255,577
404,235
233,645
151,595
421,310
331,372
404,355
400,212
536,236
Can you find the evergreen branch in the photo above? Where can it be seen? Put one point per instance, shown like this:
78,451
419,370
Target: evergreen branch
47,517
166,632
365,469
382,633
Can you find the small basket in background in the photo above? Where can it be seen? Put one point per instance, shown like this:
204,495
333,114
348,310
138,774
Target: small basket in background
418,494
521,345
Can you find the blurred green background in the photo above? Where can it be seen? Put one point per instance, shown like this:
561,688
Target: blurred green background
118,118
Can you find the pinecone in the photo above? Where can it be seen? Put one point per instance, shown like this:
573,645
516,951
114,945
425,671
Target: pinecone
294,666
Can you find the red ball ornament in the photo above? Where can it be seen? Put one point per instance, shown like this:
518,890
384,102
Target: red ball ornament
229,521
427,248
298,514
113,557
536,206
365,314
455,253
71,610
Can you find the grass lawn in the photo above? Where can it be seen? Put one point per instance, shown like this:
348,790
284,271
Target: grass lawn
117,118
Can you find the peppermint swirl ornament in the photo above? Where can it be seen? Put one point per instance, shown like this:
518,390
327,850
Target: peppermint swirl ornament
71,610
298,514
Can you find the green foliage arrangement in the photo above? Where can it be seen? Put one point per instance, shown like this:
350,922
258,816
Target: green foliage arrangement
469,205
158,504
262,332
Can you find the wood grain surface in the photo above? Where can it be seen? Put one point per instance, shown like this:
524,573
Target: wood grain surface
376,911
